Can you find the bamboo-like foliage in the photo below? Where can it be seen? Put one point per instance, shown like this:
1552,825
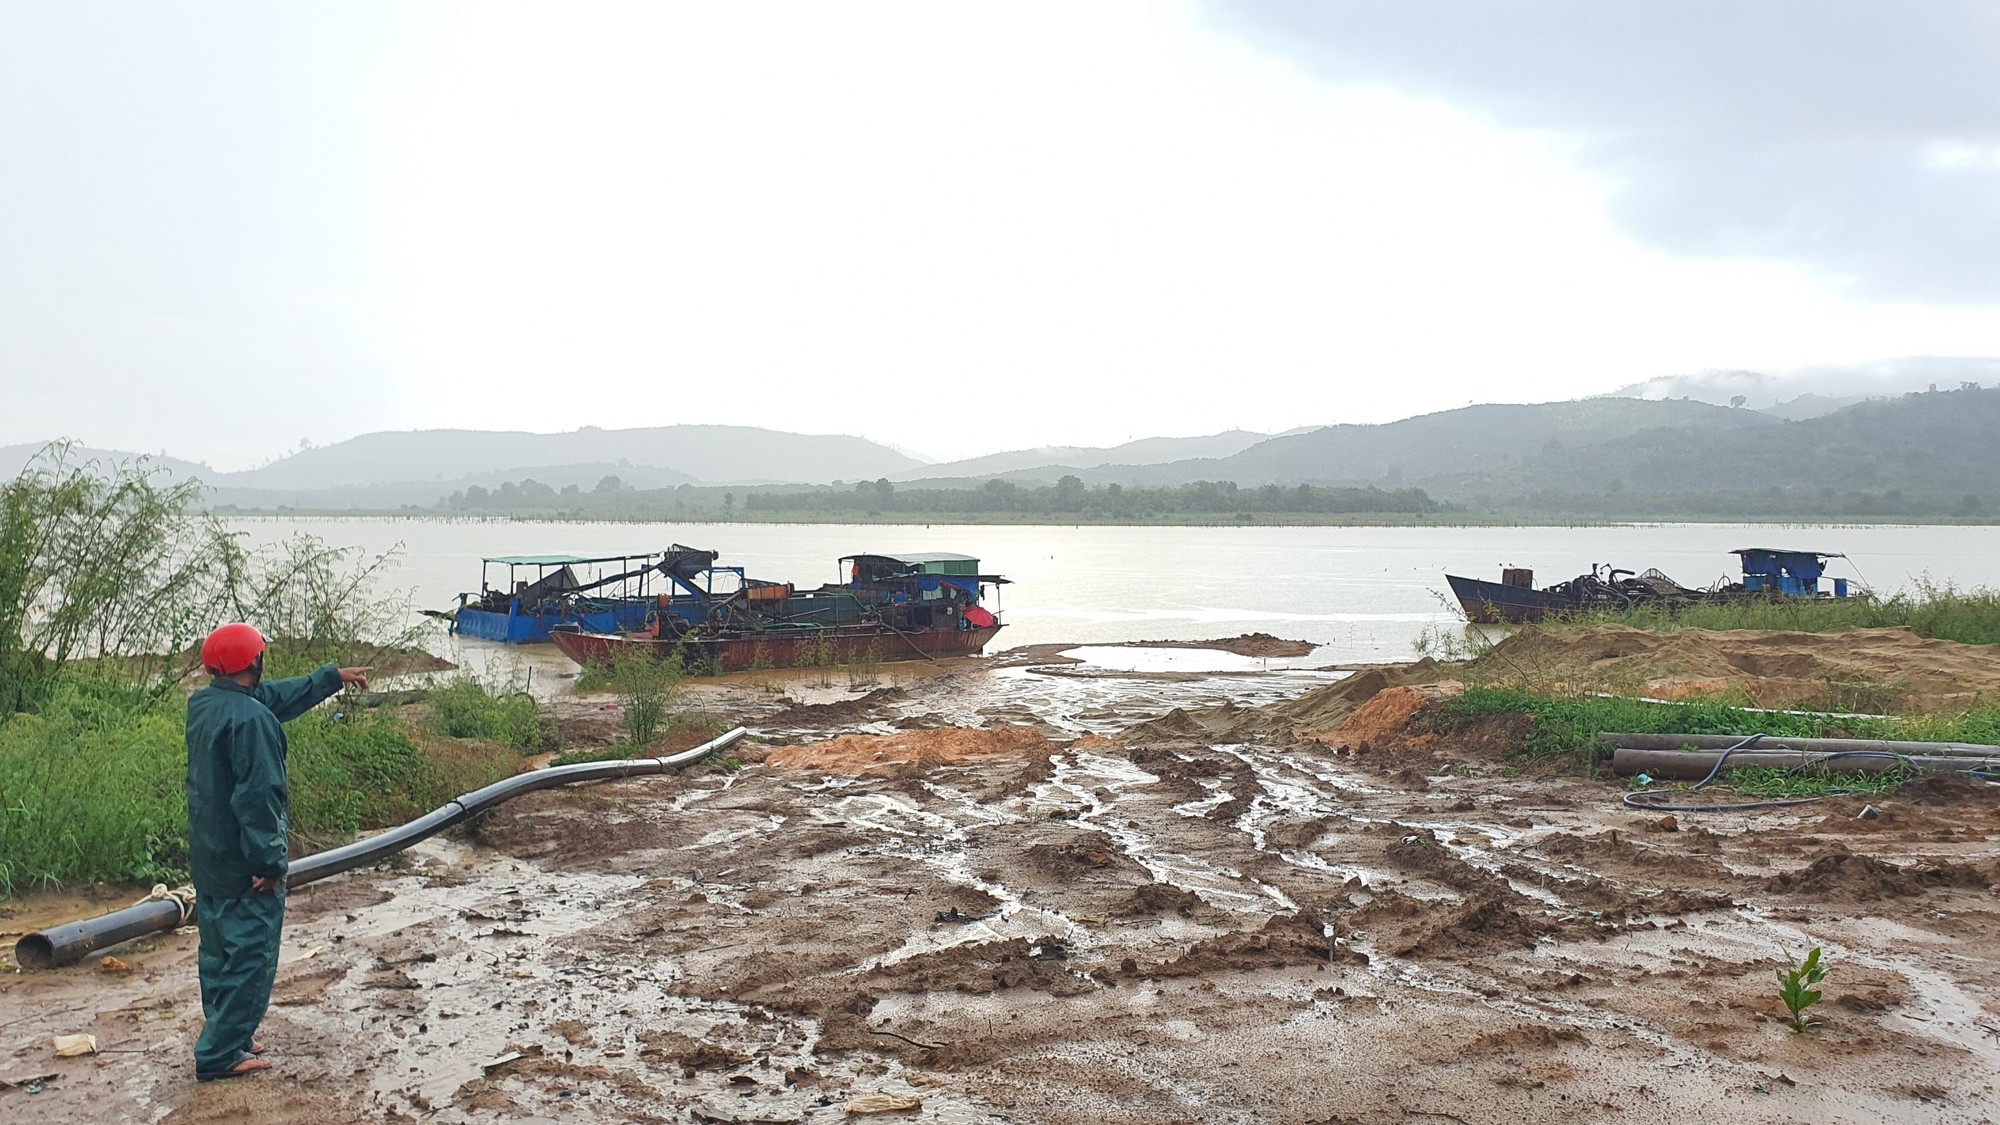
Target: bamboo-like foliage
102,561
118,566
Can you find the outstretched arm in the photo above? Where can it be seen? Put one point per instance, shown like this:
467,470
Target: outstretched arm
288,699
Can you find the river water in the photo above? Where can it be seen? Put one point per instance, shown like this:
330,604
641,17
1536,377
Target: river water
1363,593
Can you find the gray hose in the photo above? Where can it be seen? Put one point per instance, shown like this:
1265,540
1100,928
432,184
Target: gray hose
72,942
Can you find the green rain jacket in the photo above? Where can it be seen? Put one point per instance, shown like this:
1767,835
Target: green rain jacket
238,807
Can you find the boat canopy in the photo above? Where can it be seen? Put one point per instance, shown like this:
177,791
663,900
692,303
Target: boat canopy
1792,573
1783,552
559,560
943,564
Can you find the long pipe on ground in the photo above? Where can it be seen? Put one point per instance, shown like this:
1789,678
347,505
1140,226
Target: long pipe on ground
1609,740
70,943
1694,765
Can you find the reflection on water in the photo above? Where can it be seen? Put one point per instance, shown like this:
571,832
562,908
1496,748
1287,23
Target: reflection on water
1363,593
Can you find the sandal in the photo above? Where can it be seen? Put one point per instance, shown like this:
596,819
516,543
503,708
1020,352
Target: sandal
245,1064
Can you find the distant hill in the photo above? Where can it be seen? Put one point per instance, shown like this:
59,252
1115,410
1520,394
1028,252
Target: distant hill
1145,451
716,454
1942,444
1811,391
1453,443
15,458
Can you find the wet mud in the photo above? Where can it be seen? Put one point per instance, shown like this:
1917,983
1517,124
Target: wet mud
993,895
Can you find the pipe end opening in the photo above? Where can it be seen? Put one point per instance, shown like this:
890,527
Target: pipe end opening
35,951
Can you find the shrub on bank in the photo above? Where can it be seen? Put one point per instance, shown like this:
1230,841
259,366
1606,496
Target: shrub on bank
466,708
93,784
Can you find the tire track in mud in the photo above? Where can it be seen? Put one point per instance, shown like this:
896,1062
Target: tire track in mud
1255,931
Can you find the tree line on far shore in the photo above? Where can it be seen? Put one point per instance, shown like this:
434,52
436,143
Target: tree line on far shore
1067,497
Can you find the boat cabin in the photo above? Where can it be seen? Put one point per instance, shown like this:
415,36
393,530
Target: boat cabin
1791,574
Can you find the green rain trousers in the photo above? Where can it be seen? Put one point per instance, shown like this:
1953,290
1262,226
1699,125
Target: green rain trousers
238,817
238,963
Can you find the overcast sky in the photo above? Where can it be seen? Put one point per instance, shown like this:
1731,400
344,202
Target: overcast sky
225,228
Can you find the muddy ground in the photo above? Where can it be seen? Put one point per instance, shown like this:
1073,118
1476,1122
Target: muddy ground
991,891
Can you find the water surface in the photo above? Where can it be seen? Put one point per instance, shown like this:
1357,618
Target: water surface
1364,593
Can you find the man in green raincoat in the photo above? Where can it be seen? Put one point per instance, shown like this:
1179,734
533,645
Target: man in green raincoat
238,816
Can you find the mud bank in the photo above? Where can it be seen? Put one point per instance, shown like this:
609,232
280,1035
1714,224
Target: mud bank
1033,922
1857,668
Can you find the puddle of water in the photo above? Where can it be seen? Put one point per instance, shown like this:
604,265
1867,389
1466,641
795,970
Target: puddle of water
1119,658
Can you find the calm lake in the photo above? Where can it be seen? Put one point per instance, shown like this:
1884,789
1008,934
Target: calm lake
1365,593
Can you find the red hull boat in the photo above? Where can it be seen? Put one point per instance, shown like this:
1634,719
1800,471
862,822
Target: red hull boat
782,648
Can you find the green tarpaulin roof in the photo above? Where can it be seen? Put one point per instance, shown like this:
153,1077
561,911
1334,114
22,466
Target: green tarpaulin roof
931,557
557,560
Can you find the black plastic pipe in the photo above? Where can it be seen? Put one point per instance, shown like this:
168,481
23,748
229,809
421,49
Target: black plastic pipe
1690,765
1610,739
72,942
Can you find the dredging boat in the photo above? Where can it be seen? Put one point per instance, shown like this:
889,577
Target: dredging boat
546,592
1768,572
918,606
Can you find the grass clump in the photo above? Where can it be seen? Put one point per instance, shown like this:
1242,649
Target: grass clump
1779,783
466,708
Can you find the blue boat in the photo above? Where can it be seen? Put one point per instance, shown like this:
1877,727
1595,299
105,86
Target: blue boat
1768,572
598,595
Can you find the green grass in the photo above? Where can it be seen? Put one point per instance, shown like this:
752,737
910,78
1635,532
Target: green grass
613,752
93,791
1813,781
1941,611
1568,725
466,708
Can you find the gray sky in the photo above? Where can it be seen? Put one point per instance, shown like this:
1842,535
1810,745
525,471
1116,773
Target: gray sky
227,227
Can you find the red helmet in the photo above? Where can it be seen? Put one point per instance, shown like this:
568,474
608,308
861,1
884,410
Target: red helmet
231,649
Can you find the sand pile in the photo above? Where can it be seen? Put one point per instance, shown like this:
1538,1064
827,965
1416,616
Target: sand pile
875,754
1243,644
1889,667
1321,709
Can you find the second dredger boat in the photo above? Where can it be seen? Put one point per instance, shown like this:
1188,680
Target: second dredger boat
915,606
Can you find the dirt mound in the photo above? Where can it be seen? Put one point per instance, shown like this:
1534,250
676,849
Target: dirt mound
1159,898
1853,669
1287,939
883,754
1858,878
1325,708
1071,859
1246,644
1530,1039
1177,725
1321,709
688,1053
861,707
1405,927
985,968
1951,789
